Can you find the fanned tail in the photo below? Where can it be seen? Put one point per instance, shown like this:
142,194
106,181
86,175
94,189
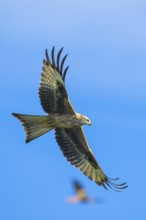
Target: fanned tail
34,126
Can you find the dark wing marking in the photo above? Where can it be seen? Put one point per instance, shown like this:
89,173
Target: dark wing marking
77,186
52,100
80,156
52,93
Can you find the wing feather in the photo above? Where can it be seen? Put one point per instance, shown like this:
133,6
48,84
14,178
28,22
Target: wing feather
52,93
77,152
77,186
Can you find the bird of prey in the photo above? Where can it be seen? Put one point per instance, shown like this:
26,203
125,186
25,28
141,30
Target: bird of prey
80,195
66,123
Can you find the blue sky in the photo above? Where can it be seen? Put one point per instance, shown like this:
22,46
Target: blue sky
106,81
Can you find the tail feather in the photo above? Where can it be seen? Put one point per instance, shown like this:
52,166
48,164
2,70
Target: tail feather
34,126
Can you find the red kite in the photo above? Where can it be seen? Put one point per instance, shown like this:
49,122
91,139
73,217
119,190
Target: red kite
80,195
66,123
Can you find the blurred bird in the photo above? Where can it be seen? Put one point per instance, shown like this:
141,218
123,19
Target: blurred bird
80,195
66,123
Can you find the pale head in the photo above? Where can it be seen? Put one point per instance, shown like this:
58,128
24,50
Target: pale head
84,119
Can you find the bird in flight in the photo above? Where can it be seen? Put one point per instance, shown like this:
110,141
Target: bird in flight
80,195
66,123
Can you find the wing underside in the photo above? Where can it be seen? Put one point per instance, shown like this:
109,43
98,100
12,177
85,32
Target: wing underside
52,93
82,158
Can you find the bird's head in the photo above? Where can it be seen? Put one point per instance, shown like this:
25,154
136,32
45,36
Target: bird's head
84,119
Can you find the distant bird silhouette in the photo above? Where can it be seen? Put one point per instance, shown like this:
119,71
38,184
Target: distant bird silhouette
81,195
66,123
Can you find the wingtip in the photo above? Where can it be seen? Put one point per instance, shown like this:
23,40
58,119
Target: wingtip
47,57
46,52
53,49
27,141
56,63
14,114
65,71
53,57
62,63
58,58
115,186
61,49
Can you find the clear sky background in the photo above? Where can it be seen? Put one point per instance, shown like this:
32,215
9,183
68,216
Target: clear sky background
106,43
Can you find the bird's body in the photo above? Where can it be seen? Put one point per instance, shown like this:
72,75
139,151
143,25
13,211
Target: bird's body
80,195
49,122
66,123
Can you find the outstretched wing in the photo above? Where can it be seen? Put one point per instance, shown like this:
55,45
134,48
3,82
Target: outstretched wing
75,148
52,93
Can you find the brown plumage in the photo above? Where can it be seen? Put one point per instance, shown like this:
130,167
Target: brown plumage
65,121
80,195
